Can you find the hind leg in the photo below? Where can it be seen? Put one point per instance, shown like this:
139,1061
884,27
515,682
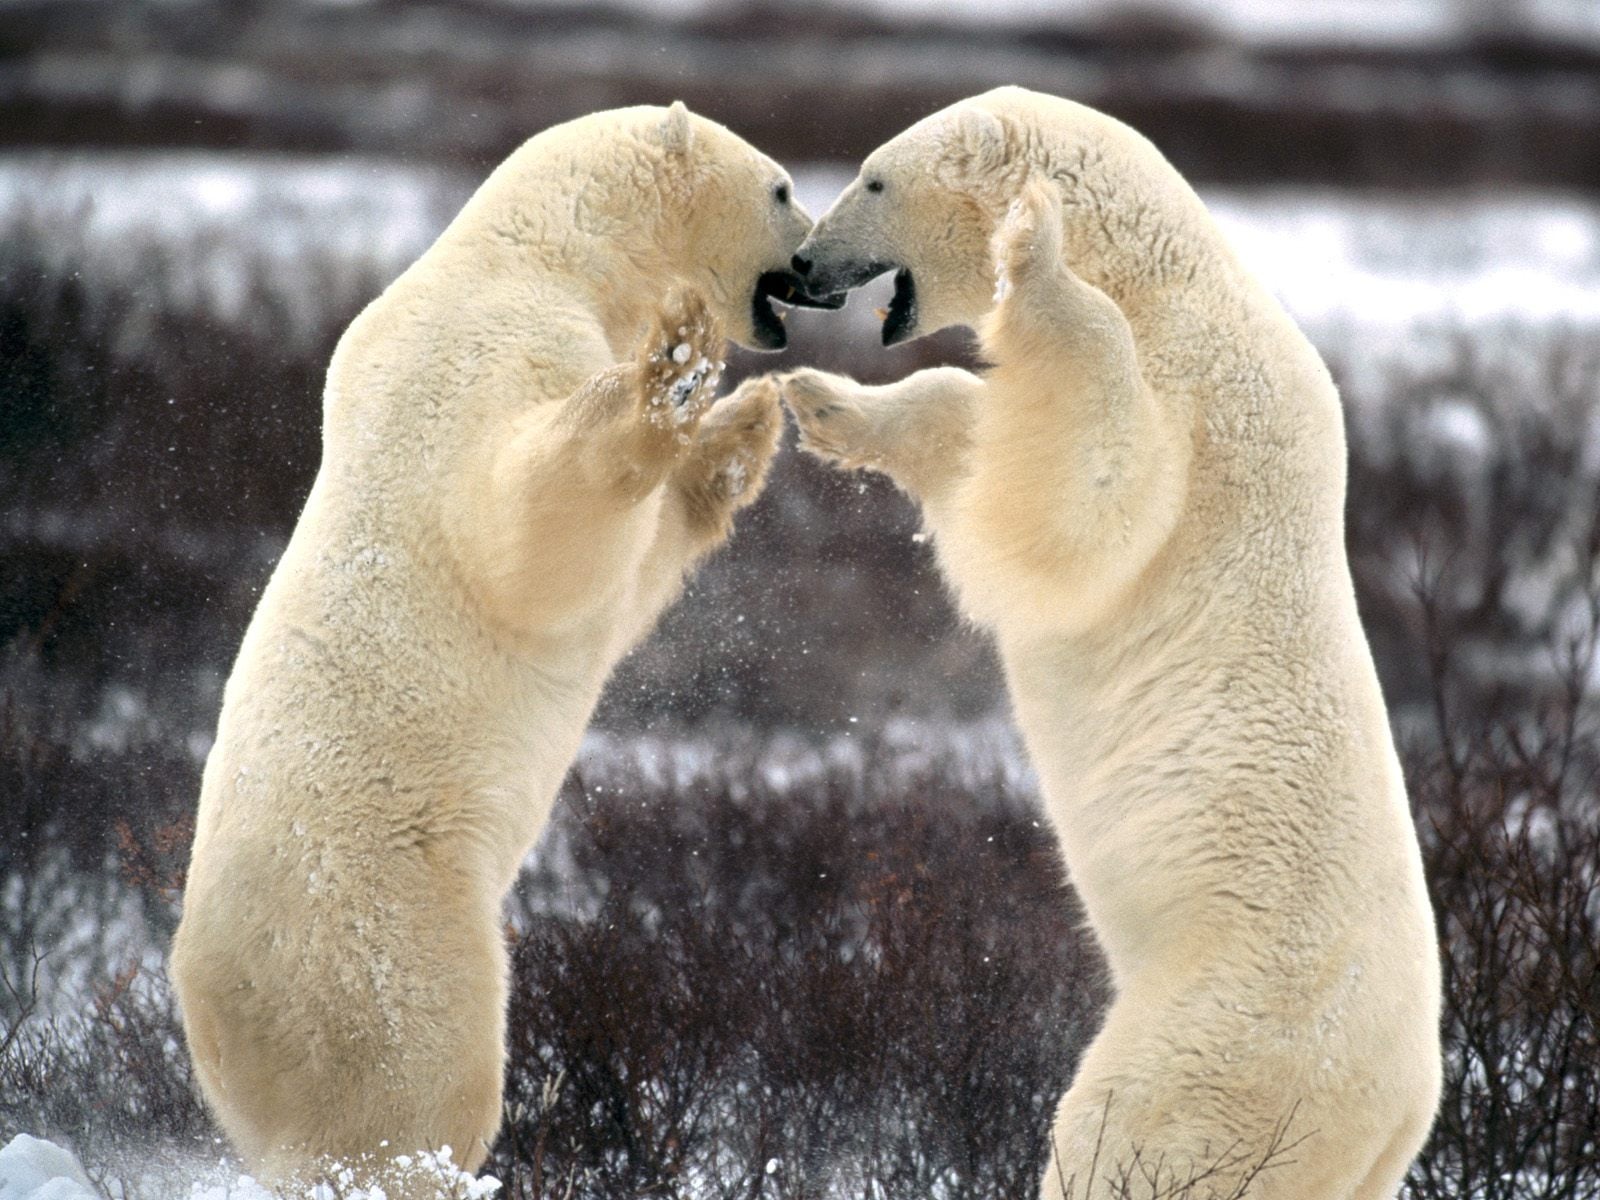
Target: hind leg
1107,1147
425,1071
1384,1179
1165,1106
1136,1123
1162,1107
377,1033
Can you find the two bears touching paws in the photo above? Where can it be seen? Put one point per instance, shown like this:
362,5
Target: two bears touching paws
1142,499
715,453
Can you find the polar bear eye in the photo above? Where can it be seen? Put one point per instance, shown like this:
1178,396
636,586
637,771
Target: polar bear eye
874,185
780,193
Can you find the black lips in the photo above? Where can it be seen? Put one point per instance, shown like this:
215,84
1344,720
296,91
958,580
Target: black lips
900,322
786,288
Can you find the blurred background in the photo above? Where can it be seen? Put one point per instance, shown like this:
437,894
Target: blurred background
197,195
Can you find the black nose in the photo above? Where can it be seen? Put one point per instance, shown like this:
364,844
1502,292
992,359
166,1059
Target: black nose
802,266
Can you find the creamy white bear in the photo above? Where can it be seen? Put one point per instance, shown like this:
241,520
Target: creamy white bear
521,459
1143,499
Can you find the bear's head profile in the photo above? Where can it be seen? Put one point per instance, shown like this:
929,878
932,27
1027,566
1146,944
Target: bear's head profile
925,206
630,203
733,226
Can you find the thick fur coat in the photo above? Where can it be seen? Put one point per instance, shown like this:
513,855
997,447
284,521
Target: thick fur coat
1143,500
521,460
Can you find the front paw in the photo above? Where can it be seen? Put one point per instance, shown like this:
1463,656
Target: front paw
727,466
681,363
1027,242
834,424
738,438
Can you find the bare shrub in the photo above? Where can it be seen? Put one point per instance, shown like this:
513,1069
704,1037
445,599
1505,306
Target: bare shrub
1508,803
802,990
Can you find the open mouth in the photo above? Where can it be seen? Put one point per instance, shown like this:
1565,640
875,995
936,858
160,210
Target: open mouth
785,287
900,318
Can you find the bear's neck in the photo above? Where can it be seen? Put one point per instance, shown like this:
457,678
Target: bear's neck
620,292
607,262
1133,228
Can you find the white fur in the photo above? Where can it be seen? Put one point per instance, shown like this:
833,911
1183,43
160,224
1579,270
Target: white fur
520,464
1144,501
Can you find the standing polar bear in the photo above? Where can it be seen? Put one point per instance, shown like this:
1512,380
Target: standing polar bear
1143,499
521,459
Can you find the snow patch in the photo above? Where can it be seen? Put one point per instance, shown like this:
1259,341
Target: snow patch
34,1169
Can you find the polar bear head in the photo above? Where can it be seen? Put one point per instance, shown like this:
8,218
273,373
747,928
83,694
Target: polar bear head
733,224
925,206
632,202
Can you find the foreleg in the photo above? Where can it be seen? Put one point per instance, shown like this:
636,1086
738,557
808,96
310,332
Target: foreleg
723,470
570,512
917,430
1081,471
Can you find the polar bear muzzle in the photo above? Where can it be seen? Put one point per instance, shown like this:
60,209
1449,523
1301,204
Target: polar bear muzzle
833,279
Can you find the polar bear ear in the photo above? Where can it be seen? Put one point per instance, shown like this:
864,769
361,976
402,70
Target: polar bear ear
674,132
980,141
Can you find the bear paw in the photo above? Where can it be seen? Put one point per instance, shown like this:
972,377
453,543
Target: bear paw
833,423
733,448
740,435
1028,239
682,362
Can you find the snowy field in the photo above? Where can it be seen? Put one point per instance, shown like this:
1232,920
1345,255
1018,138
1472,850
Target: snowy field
36,1169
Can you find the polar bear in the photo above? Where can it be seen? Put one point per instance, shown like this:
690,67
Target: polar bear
1143,499
522,457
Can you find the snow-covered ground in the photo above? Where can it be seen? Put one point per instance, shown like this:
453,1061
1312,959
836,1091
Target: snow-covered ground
34,1169
222,232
